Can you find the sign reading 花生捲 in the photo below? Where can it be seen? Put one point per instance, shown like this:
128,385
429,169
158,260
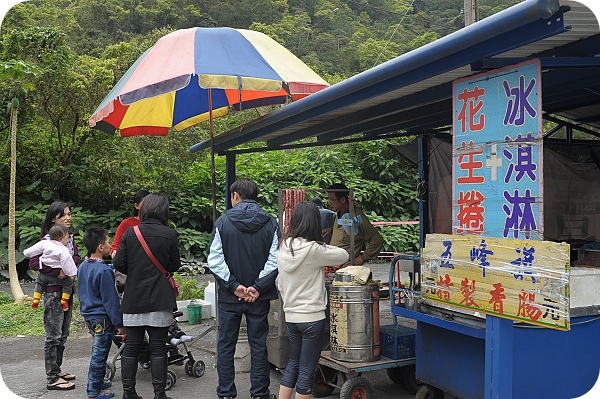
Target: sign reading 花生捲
523,280
497,153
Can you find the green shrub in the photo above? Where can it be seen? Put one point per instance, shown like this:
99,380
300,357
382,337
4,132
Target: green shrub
189,288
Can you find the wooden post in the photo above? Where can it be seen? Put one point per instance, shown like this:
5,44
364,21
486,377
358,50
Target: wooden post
470,10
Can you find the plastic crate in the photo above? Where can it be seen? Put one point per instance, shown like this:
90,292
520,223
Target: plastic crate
397,342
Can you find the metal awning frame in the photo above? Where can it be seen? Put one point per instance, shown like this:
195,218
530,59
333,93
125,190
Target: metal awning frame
411,94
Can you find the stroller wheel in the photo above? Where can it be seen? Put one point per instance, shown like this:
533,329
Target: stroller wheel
145,365
171,379
189,368
110,371
199,368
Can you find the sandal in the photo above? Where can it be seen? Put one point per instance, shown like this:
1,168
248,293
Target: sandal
66,376
60,385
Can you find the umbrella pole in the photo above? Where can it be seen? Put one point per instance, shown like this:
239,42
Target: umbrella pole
212,159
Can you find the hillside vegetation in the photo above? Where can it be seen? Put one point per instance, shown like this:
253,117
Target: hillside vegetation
81,48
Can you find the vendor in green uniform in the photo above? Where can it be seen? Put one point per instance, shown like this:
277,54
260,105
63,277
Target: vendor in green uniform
367,240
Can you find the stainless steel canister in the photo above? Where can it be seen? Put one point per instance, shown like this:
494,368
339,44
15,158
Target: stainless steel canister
354,322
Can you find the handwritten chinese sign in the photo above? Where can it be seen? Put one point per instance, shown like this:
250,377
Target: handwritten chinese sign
338,323
497,153
522,280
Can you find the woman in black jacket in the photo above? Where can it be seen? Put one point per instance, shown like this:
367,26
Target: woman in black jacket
148,298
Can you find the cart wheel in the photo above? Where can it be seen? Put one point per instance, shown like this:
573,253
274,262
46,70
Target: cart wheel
110,371
429,392
199,368
323,377
396,374
356,388
411,383
171,379
145,365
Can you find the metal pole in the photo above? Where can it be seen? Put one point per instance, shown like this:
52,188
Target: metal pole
212,159
352,212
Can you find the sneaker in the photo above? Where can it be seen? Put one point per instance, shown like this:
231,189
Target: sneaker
269,396
186,338
106,385
104,395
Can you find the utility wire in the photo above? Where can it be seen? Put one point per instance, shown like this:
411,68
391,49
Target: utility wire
394,32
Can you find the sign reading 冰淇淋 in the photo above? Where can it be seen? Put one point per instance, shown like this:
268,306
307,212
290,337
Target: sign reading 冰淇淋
522,280
497,153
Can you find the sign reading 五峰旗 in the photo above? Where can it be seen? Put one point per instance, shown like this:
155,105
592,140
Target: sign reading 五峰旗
522,280
497,153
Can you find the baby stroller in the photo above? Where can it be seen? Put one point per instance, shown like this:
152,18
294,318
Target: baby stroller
193,368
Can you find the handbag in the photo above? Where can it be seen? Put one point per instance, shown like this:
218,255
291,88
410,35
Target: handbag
158,265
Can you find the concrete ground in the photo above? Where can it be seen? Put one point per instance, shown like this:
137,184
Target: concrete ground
22,365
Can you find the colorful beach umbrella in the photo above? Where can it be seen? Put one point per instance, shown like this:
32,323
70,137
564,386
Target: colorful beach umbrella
170,84
194,75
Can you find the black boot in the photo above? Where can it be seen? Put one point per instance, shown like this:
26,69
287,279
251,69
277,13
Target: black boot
158,366
128,374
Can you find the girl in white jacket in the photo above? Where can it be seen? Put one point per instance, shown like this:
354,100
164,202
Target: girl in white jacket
301,259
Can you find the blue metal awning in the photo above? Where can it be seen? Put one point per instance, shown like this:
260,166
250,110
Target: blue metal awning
412,93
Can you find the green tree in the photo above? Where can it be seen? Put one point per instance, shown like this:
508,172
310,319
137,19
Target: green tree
13,74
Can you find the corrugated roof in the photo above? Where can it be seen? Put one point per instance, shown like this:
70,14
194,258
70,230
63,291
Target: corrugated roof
412,93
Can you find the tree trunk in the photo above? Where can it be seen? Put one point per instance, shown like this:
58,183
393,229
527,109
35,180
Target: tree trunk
15,285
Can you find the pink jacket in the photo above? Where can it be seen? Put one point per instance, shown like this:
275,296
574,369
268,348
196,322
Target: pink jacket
53,254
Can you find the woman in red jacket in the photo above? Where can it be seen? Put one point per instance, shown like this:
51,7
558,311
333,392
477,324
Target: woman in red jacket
131,221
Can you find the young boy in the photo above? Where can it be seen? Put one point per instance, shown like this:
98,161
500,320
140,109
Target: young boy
54,253
100,307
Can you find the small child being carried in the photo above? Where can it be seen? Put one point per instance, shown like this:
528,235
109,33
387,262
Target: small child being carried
55,254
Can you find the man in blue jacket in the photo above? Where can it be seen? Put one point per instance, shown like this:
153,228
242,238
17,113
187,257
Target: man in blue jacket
242,256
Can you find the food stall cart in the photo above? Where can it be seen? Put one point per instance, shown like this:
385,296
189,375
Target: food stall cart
496,318
359,344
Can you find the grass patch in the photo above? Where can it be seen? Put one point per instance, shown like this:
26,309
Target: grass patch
5,298
23,320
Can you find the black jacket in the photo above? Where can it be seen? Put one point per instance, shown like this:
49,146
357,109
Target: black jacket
146,289
243,249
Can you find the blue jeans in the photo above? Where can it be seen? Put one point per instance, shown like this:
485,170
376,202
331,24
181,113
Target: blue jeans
102,331
306,341
57,326
230,317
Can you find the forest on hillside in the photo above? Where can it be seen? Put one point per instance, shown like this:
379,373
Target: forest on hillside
68,54
334,37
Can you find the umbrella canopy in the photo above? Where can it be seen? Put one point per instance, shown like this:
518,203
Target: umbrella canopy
168,86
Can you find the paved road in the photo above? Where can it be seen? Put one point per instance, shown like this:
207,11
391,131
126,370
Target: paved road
22,366
22,369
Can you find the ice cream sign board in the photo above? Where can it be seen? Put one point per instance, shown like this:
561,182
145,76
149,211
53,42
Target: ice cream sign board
497,153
